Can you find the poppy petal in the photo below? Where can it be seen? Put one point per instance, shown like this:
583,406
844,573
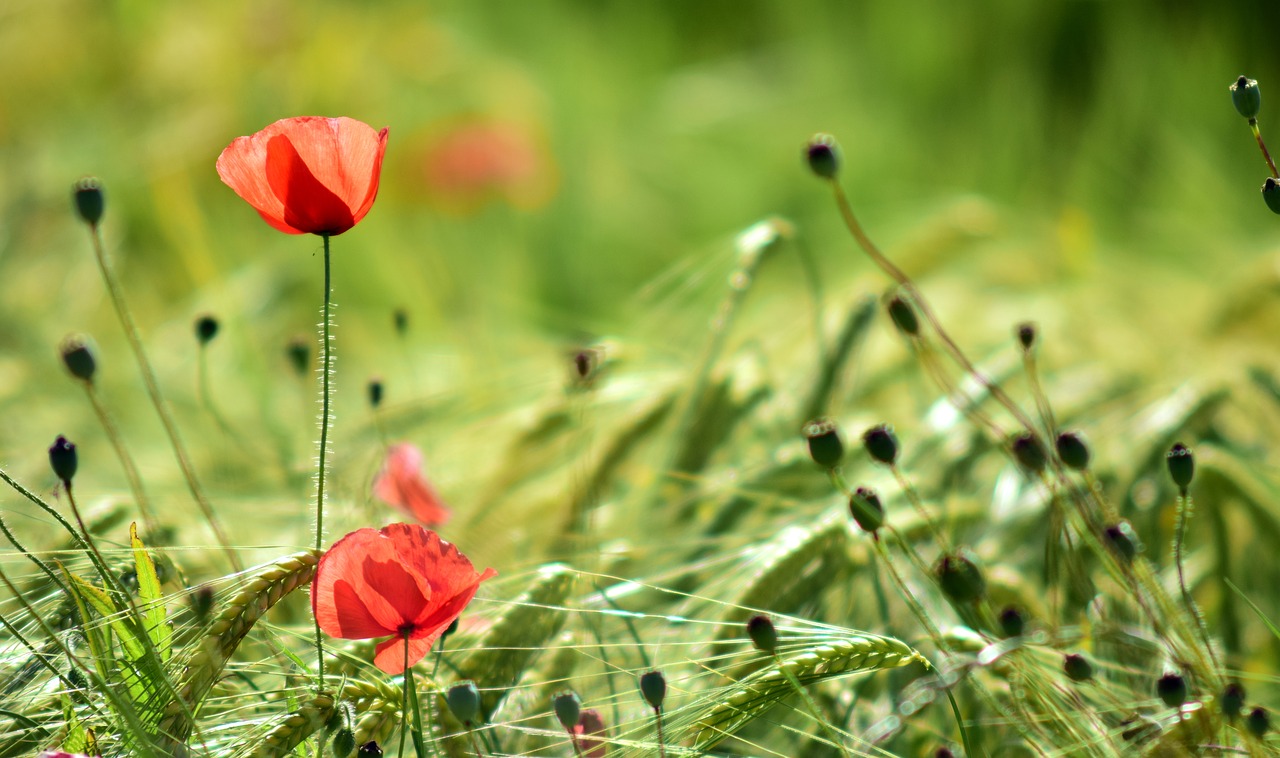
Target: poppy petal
390,655
400,483
449,571
242,167
362,589
345,155
308,203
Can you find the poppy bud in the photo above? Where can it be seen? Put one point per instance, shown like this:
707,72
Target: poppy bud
1123,541
370,749
1271,194
866,509
206,329
568,707
298,351
1072,450
1246,97
822,155
825,446
583,363
89,200
653,687
943,752
763,635
1172,689
1182,465
1012,622
903,316
344,741
1232,701
201,602
1077,667
400,320
453,627
881,443
78,358
77,679
464,702
1258,722
1026,335
62,457
1029,452
375,393
960,578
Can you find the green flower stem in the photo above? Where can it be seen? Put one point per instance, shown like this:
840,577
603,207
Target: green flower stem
157,400
126,460
326,389
1184,515
1253,125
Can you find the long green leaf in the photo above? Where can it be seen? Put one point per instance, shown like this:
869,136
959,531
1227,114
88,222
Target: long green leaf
151,596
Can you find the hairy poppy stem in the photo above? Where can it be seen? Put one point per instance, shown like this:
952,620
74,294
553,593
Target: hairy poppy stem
326,389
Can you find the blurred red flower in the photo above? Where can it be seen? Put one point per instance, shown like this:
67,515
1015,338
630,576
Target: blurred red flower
401,581
474,162
307,174
401,483
592,734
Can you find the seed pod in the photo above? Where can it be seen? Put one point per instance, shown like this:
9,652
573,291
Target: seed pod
1246,97
369,749
1172,689
960,577
375,393
89,200
653,687
299,354
763,634
825,447
78,358
1182,465
206,330
1026,332
903,316
568,707
1073,451
1258,722
1271,194
1077,667
63,459
344,741
1012,622
1232,700
823,156
866,509
881,443
1029,452
464,702
1123,541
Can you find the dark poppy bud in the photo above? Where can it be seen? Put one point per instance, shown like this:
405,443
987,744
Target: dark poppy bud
1073,451
1271,194
763,634
584,362
823,156
370,749
1077,667
453,627
903,316
825,446
943,752
344,741
62,457
1182,465
1258,722
298,351
78,358
206,329
1012,621
1029,452
89,199
400,320
960,578
1232,701
1026,333
1172,689
653,687
1246,97
881,443
1122,540
463,699
568,707
201,603
375,393
866,509
77,679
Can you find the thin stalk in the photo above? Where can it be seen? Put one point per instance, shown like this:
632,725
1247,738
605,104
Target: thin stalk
1184,514
914,498
325,392
657,721
157,400
1037,391
126,460
1253,125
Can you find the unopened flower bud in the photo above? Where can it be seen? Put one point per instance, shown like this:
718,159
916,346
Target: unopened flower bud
1012,622
78,358
866,509
375,393
62,457
1271,194
1029,452
1258,722
1077,667
960,578
1172,689
201,602
903,316
825,446
1122,540
89,200
370,749
344,741
206,329
299,354
1182,465
823,156
400,320
1073,451
1246,97
464,702
653,687
763,634
881,443
1026,335
1232,700
568,707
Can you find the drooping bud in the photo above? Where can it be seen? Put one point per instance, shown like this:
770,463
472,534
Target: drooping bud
1123,541
960,578
206,329
1246,97
653,687
1232,700
370,749
1077,667
881,443
1172,689
1258,722
825,446
568,707
1073,451
1026,332
375,393
78,358
344,741
763,634
903,316
1182,465
464,702
866,509
298,351
89,199
823,156
201,602
1012,621
1029,452
1271,194
62,457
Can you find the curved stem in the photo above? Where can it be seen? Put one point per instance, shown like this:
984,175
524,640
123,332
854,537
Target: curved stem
126,460
326,389
1253,125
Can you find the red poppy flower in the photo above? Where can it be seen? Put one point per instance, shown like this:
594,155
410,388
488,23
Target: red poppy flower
307,174
400,483
401,581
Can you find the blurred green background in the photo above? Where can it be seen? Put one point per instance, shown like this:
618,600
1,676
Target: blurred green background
563,171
